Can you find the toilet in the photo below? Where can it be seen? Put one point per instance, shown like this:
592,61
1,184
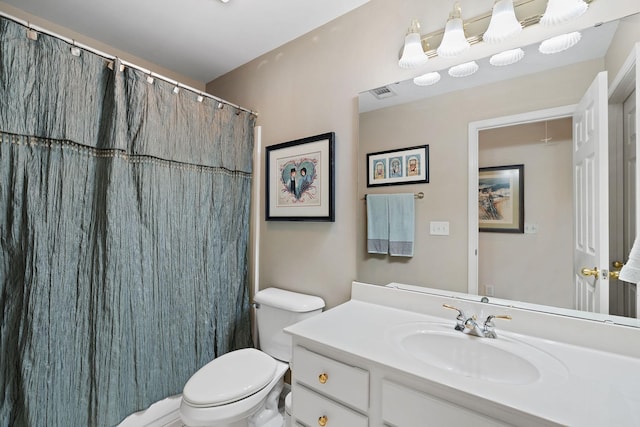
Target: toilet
242,388
287,410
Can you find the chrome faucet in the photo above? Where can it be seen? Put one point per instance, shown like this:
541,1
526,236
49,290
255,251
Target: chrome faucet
470,326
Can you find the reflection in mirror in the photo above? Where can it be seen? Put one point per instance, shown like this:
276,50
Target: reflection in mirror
548,209
506,262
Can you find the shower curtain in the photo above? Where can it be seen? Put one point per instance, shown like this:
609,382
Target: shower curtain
124,210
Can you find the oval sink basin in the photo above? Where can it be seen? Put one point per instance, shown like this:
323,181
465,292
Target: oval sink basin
501,360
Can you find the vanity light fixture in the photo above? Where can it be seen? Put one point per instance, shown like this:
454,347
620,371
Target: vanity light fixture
427,79
459,35
464,70
559,11
413,55
503,24
507,57
454,42
560,43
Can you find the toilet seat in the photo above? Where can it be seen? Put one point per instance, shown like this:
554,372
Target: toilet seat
229,378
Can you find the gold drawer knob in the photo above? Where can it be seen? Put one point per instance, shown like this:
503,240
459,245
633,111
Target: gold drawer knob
322,421
323,379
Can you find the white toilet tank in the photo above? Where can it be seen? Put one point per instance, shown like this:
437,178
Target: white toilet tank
275,310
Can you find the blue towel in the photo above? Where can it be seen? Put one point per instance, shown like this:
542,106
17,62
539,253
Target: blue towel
390,224
401,224
377,224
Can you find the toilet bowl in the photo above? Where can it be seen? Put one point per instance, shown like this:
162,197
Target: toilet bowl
242,388
228,392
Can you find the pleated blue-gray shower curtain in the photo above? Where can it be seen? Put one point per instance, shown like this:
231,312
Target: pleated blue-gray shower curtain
123,234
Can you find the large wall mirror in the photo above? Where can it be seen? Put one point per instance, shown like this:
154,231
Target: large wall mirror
514,115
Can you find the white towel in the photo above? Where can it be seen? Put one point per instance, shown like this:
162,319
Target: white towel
390,224
630,272
401,224
377,224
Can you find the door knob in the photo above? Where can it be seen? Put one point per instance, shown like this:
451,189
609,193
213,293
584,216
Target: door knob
590,271
616,274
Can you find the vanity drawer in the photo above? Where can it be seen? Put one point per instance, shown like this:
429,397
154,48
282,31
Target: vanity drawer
402,406
343,382
315,410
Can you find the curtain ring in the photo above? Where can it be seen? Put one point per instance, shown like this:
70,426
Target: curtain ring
75,50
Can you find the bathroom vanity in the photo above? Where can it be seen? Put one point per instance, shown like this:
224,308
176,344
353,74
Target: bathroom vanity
391,357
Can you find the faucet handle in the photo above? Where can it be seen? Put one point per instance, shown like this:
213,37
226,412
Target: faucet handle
489,327
460,317
501,316
460,313
488,324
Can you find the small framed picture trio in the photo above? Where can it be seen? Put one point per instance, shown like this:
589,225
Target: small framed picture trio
396,167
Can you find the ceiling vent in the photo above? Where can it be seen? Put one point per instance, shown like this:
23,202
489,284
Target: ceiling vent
382,92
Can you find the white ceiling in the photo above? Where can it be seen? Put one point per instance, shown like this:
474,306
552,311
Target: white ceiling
200,39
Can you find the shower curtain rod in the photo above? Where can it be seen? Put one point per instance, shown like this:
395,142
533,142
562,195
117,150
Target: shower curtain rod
108,56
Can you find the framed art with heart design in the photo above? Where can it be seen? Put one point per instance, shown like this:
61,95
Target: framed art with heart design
300,179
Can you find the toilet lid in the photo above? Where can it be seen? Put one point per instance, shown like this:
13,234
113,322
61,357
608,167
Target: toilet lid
230,377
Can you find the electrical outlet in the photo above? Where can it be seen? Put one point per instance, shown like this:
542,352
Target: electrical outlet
530,228
439,228
488,289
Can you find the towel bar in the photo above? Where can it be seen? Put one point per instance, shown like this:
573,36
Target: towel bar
419,195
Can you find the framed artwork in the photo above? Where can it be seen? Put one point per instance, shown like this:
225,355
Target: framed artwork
300,180
395,167
501,199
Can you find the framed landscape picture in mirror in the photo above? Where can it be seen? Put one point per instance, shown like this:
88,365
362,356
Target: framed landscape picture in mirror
394,167
501,199
300,180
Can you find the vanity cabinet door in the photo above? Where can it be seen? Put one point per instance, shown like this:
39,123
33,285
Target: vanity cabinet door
313,410
348,384
405,407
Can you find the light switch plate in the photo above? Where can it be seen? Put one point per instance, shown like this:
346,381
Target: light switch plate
439,228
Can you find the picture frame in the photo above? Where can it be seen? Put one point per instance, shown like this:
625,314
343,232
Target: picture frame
300,179
408,165
501,199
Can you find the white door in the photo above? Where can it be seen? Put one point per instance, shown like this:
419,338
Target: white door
591,199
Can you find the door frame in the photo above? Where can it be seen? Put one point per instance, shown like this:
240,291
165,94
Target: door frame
625,82
472,203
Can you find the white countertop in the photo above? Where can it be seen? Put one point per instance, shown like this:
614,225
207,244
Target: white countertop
600,388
